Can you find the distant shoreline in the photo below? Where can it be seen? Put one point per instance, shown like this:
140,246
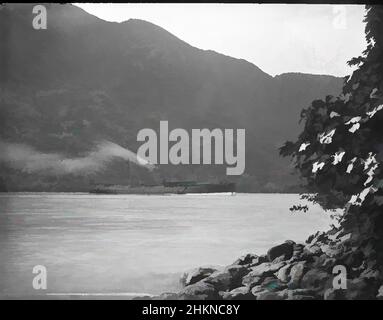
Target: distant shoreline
148,194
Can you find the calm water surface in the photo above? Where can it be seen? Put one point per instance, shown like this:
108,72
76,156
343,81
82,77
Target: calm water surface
136,243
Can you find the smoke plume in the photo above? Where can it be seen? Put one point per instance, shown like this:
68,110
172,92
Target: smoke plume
28,159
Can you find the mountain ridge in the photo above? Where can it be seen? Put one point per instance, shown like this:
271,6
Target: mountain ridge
85,79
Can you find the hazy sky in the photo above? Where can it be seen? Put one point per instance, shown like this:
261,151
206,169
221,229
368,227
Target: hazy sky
277,38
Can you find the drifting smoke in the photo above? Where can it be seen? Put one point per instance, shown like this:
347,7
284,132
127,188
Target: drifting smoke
28,159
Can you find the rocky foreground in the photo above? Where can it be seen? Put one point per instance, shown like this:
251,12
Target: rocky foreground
291,271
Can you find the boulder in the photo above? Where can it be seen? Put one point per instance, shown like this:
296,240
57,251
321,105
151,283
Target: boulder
251,260
379,296
256,290
273,284
240,293
317,237
261,259
332,251
310,238
247,259
301,293
296,273
280,259
369,249
284,273
285,249
270,289
302,297
196,275
265,269
298,247
291,271
310,252
271,295
314,250
227,279
370,273
264,258
328,264
237,271
297,252
333,294
361,289
357,289
355,259
198,291
316,279
220,280
250,280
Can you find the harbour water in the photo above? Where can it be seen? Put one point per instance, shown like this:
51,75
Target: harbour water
121,245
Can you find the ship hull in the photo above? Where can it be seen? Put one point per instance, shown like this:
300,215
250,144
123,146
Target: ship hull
161,189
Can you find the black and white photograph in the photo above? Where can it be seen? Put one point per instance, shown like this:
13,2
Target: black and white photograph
191,151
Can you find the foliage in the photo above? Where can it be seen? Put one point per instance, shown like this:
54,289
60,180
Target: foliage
340,150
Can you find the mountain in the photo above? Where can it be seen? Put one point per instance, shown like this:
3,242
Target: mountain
84,80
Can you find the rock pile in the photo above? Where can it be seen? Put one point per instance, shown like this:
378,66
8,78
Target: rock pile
292,271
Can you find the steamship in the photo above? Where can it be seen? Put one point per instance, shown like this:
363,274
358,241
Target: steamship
178,187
